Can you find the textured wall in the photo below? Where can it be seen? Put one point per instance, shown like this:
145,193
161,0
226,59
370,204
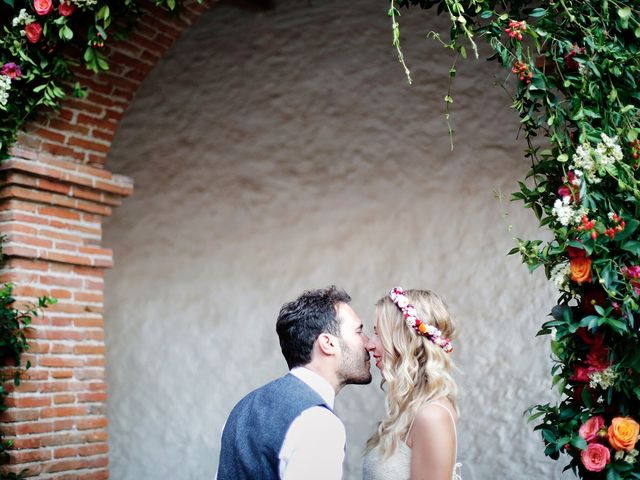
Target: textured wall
282,151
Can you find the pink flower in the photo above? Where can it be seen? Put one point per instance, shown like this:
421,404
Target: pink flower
633,274
11,70
33,31
43,7
589,429
66,8
581,373
595,457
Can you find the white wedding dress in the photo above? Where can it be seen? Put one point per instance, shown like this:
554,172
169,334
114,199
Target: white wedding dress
398,465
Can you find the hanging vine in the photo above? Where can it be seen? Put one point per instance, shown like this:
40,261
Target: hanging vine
576,66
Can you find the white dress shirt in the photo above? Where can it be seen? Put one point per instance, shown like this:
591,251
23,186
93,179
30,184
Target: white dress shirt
313,448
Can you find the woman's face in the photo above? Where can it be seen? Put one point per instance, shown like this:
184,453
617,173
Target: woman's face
375,346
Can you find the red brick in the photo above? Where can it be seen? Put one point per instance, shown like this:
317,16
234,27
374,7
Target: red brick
89,350
74,411
94,449
64,398
59,213
89,423
97,397
64,452
39,455
26,402
55,361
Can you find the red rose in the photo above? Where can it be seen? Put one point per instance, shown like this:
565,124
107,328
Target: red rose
576,252
33,31
66,8
43,7
598,357
588,338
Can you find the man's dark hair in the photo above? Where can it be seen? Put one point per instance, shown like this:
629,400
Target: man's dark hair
301,321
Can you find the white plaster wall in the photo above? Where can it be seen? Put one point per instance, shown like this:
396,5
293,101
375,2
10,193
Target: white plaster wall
281,151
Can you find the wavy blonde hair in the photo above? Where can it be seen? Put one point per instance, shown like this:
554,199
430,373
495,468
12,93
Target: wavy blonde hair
414,369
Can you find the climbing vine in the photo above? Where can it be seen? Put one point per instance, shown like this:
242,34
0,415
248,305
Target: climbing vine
575,66
14,323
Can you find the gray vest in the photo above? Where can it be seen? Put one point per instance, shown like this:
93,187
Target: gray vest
257,425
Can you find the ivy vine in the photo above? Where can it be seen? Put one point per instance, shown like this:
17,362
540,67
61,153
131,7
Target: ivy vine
574,67
14,323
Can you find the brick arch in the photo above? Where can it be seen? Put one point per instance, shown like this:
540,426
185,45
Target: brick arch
55,193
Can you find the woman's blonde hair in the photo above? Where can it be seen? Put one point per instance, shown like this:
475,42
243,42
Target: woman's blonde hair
414,369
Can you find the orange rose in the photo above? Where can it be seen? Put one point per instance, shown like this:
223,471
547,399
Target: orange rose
623,433
580,269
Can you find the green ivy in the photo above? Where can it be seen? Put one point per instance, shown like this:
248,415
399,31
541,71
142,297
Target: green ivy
14,323
575,68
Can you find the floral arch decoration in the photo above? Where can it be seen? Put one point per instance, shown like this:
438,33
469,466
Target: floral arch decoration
576,66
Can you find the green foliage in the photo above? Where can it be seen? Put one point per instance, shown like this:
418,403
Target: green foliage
45,43
13,343
574,70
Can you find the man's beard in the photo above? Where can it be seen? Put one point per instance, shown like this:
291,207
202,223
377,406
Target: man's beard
354,369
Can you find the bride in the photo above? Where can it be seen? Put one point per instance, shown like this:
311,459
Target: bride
417,439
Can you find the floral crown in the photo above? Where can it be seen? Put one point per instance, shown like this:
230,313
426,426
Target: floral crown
411,317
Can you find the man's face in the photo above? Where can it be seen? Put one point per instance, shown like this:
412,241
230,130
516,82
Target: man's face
355,364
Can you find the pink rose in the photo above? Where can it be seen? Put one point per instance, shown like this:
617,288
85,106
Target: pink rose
589,429
33,32
66,8
11,70
43,7
595,457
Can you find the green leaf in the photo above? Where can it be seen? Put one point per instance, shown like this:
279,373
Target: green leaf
537,12
632,246
9,2
578,441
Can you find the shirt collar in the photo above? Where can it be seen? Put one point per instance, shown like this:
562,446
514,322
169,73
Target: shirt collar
317,383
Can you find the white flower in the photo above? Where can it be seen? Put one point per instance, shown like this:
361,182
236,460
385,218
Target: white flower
23,18
566,213
560,276
603,379
593,162
402,302
83,4
5,86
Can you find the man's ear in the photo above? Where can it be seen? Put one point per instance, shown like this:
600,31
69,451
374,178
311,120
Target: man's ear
327,343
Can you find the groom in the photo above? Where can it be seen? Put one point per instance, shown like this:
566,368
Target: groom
287,429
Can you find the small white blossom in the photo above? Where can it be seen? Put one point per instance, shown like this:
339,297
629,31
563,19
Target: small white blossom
631,457
592,162
84,4
5,86
619,455
566,213
23,18
603,379
560,276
